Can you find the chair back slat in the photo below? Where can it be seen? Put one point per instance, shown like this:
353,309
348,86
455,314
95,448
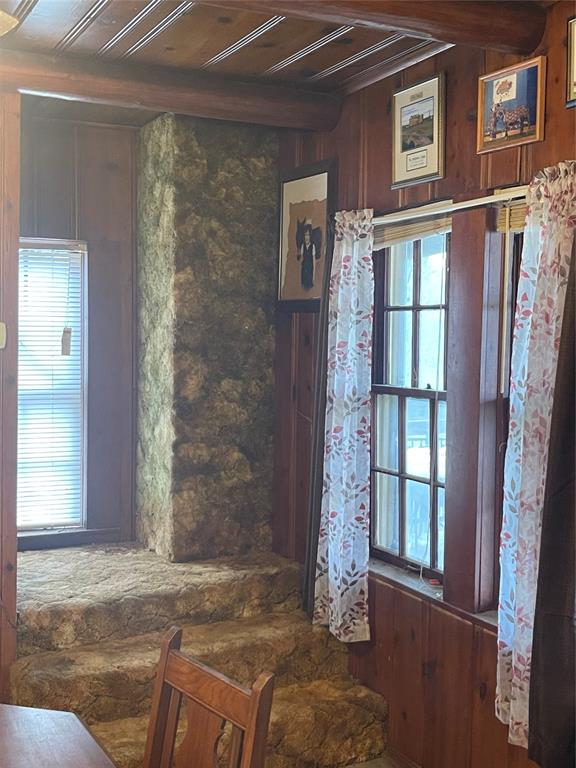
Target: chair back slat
236,742
171,728
209,688
199,746
211,699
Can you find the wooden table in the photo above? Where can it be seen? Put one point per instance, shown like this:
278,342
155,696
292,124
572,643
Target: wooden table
44,738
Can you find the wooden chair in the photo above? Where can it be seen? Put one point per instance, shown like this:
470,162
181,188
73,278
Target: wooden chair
211,700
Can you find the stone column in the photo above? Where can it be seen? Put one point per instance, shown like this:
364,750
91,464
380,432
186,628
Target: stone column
208,224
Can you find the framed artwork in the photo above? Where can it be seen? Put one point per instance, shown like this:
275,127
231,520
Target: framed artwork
418,133
571,64
511,106
306,203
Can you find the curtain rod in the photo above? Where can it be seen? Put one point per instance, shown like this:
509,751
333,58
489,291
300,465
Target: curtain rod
449,206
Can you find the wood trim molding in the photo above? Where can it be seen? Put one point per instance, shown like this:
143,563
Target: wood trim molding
513,27
201,94
9,243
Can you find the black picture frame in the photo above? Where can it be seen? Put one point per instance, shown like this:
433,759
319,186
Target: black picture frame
571,62
287,301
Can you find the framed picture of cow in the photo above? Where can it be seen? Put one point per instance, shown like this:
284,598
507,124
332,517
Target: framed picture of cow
511,106
306,204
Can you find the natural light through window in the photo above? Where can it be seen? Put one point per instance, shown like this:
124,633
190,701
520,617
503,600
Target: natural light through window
409,456
51,387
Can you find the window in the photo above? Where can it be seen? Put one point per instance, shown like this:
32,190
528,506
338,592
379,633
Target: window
51,387
409,401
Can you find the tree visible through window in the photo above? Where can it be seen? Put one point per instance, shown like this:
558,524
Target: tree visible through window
51,375
409,400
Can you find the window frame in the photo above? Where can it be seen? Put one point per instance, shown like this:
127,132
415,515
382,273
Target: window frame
379,374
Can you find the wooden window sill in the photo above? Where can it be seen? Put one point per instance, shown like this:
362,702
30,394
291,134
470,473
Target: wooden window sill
409,581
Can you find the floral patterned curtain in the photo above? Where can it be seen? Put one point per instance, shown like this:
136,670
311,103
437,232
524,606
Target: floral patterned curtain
341,589
546,257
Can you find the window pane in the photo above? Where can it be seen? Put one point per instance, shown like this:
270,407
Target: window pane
417,459
441,434
441,526
433,270
431,349
386,512
418,521
50,470
400,349
387,432
400,278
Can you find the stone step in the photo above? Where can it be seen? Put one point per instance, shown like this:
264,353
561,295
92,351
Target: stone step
114,678
85,595
323,723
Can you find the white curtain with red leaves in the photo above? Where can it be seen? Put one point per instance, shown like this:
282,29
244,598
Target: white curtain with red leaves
341,589
546,257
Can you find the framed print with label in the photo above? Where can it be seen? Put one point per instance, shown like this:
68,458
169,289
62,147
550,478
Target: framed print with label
511,106
418,133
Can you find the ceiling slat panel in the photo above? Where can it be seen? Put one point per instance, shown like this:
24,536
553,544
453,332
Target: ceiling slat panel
112,19
397,45
200,35
351,42
48,22
282,41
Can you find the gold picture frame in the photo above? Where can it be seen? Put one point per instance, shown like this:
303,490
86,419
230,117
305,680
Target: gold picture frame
418,145
511,106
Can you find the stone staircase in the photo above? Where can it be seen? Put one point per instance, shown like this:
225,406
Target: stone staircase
90,624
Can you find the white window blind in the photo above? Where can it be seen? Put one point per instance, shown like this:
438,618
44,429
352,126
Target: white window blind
51,390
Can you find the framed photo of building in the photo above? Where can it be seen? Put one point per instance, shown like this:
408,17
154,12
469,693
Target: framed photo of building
571,64
418,133
306,203
511,106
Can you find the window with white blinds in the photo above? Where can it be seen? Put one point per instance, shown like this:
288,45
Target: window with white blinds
51,387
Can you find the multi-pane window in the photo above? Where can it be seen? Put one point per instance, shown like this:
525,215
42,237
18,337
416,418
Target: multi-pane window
51,388
409,400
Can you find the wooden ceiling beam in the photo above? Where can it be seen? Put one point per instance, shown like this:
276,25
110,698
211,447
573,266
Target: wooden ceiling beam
514,26
165,90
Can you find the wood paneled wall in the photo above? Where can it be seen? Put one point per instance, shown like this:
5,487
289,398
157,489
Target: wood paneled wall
78,184
435,668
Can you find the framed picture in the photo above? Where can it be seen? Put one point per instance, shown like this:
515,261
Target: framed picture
306,202
571,64
511,106
418,133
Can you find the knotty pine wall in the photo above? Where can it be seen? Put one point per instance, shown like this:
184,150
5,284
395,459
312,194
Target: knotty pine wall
78,184
435,666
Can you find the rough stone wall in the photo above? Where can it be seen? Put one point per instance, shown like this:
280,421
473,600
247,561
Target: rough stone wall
156,324
224,228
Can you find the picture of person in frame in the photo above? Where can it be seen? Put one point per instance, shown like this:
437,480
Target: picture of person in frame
308,251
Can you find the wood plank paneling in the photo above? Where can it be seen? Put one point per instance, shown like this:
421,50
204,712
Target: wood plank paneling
448,685
372,662
284,466
9,242
490,747
48,193
407,713
106,209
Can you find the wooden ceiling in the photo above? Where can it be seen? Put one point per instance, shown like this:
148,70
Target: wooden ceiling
280,62
192,36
